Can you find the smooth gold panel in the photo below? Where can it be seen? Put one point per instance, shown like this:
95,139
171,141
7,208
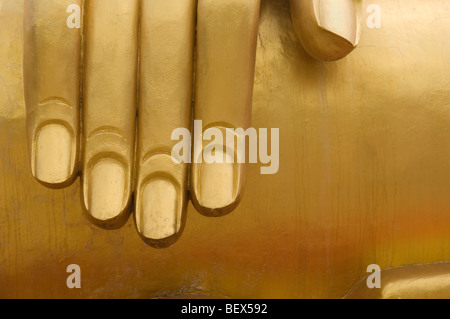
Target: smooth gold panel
364,176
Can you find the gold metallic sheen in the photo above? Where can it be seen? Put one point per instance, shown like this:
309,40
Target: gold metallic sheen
364,167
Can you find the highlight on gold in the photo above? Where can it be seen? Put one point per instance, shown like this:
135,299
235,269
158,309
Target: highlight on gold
145,67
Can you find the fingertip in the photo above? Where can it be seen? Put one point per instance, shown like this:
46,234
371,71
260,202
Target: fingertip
54,155
216,197
217,184
328,30
161,200
106,195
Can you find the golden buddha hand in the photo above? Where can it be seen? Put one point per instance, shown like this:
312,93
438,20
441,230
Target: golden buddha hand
84,87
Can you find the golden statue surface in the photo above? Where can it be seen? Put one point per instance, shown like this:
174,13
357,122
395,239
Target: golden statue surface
358,90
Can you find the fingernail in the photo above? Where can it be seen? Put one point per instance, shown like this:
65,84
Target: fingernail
53,154
338,17
159,216
106,189
217,184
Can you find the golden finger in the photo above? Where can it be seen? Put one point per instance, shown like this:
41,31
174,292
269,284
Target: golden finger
52,86
225,63
109,109
166,81
327,29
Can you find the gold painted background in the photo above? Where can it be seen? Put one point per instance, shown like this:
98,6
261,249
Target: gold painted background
364,176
